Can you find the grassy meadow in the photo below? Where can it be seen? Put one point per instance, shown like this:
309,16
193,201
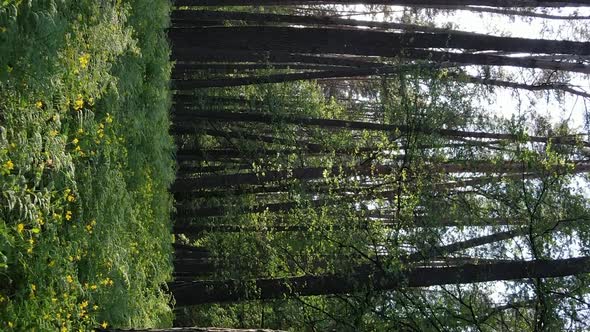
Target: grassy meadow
85,163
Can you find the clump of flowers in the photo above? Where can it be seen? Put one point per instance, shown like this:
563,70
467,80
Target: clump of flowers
7,167
79,103
84,59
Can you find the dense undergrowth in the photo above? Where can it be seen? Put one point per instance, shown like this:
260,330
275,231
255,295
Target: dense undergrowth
85,163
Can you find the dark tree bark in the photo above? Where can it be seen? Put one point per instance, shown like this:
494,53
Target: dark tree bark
506,84
466,244
198,292
184,211
312,173
360,42
235,134
422,3
186,116
179,196
189,99
181,249
200,54
495,60
190,84
180,70
183,185
218,154
196,229
197,16
193,267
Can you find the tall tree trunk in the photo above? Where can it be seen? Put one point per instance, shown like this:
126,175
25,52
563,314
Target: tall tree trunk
197,16
312,173
187,211
495,60
200,54
198,292
506,84
190,84
463,245
360,42
235,134
181,69
185,116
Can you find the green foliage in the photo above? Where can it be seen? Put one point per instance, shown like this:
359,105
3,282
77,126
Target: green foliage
85,165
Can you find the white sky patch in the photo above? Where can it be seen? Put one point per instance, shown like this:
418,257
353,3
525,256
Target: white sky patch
571,108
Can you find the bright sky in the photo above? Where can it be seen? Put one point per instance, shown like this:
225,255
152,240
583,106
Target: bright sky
572,108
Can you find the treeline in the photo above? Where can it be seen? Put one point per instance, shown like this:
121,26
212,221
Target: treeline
373,203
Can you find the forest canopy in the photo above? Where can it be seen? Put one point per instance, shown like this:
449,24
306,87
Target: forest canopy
381,165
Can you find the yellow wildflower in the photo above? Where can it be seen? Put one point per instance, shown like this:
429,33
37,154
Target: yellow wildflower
107,281
71,198
10,324
80,131
53,133
64,329
20,228
75,141
84,304
69,279
77,148
39,104
33,287
104,325
109,119
68,215
84,60
93,287
9,165
79,103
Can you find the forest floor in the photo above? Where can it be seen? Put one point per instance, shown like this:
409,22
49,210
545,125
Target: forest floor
85,163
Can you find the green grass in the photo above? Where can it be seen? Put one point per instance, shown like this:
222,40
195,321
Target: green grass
85,163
